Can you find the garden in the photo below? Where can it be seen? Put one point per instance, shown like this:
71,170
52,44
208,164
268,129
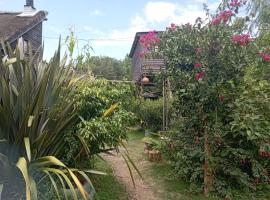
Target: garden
68,134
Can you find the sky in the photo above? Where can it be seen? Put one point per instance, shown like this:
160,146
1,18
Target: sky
109,26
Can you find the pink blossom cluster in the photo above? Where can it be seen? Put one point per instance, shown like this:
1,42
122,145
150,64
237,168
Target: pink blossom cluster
150,39
197,65
235,3
223,16
173,27
200,75
265,56
242,39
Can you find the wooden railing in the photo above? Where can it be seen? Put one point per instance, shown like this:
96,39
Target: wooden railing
152,65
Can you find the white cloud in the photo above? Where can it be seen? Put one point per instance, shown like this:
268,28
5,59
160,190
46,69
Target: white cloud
120,37
159,11
154,14
96,12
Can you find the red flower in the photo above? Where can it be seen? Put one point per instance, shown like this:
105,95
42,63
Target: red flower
200,75
223,16
265,56
221,98
197,65
242,39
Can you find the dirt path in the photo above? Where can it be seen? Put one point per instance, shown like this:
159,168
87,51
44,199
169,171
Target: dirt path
142,191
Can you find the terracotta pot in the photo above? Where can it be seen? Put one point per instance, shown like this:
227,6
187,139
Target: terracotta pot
154,156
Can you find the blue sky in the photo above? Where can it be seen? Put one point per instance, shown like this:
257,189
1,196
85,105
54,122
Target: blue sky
111,24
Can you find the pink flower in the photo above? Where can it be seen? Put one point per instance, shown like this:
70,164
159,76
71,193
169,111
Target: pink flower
197,65
198,51
226,15
223,16
200,75
235,3
173,26
265,56
242,39
149,40
216,21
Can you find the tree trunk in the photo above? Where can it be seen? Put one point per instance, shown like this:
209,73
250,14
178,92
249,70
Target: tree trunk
207,170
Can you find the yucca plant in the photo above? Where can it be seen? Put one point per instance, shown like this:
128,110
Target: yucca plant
31,131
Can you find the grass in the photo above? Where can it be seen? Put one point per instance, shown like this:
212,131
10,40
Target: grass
160,175
107,187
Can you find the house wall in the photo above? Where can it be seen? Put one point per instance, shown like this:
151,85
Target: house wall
136,62
34,37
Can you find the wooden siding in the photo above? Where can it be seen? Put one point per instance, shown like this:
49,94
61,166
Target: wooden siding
136,62
143,65
33,36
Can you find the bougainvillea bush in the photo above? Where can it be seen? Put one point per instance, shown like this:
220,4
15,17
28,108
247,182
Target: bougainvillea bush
220,80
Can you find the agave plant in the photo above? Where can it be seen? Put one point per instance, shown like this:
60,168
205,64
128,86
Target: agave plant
31,131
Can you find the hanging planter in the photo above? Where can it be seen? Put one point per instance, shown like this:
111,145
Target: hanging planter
145,80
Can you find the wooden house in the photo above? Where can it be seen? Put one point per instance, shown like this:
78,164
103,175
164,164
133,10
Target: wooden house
144,68
23,28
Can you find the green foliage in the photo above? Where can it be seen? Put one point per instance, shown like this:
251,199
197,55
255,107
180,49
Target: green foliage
110,68
222,116
149,112
31,132
92,98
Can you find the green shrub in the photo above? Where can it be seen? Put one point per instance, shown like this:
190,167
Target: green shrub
92,98
150,113
220,80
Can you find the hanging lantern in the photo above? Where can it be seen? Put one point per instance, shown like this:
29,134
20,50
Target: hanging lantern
145,80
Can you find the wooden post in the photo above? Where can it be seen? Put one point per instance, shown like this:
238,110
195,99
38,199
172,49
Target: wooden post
164,105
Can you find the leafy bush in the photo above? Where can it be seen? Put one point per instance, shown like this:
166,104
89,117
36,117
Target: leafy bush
220,79
92,98
150,113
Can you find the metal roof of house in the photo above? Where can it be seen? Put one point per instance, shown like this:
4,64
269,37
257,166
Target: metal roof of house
136,40
13,26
